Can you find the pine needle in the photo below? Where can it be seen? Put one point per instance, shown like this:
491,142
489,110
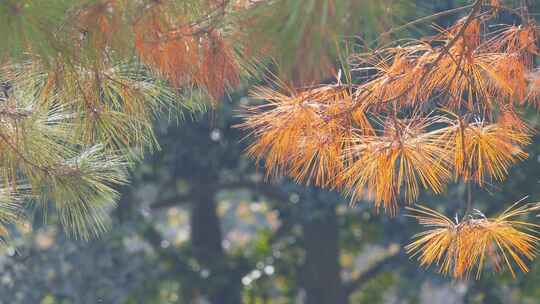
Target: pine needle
297,136
404,159
459,248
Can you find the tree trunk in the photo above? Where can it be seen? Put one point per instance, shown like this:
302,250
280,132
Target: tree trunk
322,271
222,284
206,236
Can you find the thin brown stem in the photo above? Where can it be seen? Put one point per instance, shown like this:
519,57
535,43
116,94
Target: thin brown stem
467,178
445,51
4,138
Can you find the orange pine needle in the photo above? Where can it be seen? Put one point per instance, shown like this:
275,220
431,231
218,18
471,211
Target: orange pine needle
185,56
218,69
303,134
457,248
405,157
483,150
173,54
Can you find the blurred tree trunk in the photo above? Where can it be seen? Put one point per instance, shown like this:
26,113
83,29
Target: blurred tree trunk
322,271
206,236
223,285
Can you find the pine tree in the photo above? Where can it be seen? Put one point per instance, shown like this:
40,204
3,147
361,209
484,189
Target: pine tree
416,115
81,83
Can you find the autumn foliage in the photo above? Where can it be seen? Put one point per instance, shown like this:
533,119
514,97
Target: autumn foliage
423,114
187,54
458,248
78,102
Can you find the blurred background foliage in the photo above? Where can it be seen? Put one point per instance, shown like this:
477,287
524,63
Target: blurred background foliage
198,223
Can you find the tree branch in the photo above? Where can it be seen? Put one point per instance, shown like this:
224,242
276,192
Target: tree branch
372,272
444,52
267,190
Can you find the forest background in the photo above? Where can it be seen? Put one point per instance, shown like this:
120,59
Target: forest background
198,223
